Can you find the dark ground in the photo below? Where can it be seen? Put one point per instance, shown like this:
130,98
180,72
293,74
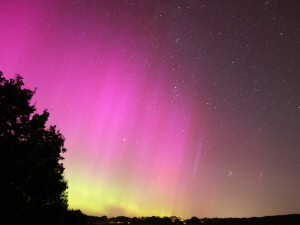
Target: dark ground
293,219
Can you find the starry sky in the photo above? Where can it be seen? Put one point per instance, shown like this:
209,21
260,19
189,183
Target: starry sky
174,107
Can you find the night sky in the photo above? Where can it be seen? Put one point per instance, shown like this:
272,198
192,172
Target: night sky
183,107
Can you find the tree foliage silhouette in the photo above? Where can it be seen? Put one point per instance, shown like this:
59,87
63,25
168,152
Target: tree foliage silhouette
33,189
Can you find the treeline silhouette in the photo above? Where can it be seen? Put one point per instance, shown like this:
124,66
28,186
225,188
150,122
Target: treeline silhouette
293,219
32,185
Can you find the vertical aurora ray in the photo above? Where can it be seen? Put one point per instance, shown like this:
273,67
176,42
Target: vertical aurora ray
198,153
136,144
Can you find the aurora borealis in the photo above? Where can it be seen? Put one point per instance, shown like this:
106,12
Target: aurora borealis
186,108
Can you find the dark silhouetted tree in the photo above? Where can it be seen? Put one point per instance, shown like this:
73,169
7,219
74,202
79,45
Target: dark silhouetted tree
33,189
76,217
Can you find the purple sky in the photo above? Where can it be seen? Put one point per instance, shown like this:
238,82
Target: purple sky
187,108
